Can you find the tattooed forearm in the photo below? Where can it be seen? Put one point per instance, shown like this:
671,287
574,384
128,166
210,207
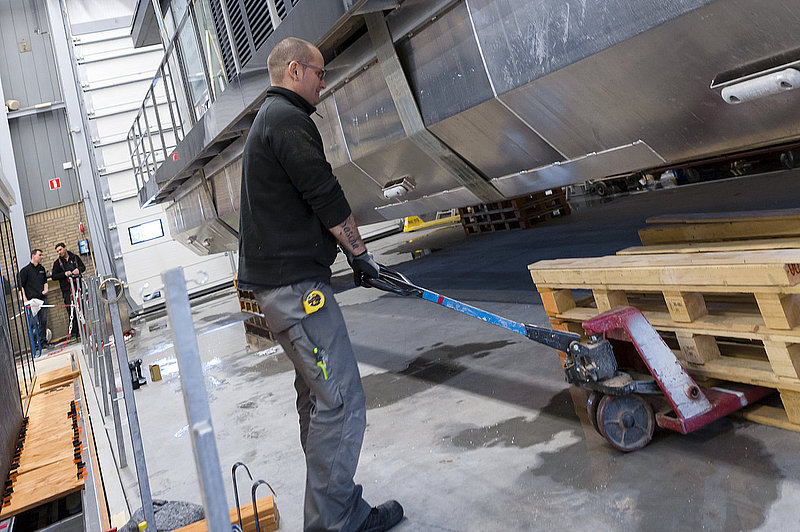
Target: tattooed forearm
347,233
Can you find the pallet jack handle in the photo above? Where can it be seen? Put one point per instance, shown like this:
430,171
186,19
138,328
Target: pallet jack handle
395,282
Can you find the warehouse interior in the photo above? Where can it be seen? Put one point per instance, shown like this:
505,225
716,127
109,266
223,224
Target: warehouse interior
608,187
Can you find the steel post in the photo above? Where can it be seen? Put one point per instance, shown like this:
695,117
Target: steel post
130,407
195,398
97,341
112,386
83,324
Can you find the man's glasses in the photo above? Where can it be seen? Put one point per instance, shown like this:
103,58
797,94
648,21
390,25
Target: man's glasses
320,72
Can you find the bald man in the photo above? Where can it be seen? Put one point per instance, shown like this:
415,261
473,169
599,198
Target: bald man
293,216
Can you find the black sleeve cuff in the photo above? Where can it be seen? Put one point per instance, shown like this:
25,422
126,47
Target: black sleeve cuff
334,214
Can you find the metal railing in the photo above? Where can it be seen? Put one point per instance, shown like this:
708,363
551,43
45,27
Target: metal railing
92,297
196,68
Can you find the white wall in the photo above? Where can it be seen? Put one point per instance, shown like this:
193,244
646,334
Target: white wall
115,78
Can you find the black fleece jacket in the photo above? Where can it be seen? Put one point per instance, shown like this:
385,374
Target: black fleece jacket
61,266
290,197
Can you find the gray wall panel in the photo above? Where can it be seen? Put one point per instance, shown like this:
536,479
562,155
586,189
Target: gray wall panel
40,148
29,77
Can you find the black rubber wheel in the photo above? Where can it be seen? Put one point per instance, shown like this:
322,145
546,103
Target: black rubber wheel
626,421
591,408
601,189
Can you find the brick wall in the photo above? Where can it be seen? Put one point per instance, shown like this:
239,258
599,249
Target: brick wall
45,230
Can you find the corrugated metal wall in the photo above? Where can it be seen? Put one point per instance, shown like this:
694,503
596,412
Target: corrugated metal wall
41,147
28,74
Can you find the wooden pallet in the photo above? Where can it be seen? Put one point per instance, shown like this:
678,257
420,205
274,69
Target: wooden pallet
257,325
517,213
731,316
48,469
716,227
268,517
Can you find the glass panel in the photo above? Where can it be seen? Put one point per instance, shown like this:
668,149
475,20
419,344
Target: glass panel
173,13
210,44
175,77
193,64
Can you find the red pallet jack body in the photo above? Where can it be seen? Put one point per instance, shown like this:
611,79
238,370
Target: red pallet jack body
692,407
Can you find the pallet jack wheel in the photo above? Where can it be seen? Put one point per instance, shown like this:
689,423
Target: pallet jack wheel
626,421
591,409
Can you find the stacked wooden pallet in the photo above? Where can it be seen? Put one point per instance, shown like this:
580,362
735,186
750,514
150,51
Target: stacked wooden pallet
730,309
257,325
522,212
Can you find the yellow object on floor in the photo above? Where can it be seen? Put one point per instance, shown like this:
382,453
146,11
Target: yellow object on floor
415,223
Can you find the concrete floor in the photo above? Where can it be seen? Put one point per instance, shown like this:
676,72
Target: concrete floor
471,427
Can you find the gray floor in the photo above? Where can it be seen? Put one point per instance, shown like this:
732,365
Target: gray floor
471,427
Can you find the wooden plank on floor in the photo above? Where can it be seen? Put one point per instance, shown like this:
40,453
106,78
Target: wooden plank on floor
717,217
767,415
710,247
715,232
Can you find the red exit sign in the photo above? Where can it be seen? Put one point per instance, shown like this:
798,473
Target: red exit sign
55,183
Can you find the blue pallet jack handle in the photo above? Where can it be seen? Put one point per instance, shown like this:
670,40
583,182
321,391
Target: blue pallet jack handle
395,282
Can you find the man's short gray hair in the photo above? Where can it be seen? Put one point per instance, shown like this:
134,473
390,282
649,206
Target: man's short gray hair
289,49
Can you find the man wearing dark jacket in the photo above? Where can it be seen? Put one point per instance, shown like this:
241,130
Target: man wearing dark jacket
33,285
293,215
68,266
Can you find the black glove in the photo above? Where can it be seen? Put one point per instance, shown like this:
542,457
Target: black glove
363,265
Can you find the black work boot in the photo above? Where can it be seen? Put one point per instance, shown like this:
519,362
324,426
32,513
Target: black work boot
382,517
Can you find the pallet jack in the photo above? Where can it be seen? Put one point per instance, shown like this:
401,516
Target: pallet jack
625,364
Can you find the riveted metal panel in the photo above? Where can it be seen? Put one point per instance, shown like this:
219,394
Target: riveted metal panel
444,66
369,117
523,40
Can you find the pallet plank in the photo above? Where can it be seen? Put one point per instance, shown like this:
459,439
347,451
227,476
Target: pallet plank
685,306
718,217
557,301
791,403
713,232
779,311
697,348
608,299
707,247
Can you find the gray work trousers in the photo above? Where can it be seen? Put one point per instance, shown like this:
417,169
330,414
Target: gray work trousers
332,411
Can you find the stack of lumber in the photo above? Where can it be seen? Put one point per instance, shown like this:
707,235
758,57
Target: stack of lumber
268,517
49,465
522,212
729,307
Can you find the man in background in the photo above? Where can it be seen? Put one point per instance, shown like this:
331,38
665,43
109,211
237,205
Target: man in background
33,287
68,266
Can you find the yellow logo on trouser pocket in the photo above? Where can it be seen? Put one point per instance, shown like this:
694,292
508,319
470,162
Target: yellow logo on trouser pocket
313,301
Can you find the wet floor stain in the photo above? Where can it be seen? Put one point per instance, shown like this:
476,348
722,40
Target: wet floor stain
267,366
433,367
714,478
515,432
559,415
